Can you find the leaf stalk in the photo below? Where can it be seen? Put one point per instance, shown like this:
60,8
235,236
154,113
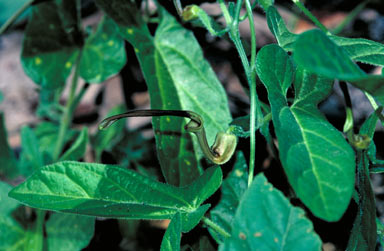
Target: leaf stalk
215,227
68,110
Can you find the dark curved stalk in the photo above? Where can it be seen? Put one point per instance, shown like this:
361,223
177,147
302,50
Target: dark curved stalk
220,152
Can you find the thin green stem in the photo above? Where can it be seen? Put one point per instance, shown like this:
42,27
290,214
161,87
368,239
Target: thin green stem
311,16
39,229
224,9
243,56
68,111
242,18
235,37
215,227
253,93
14,17
250,72
253,38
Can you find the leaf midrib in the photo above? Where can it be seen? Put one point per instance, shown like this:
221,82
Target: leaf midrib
122,188
314,170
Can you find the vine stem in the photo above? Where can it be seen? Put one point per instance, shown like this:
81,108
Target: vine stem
215,227
301,6
39,229
68,111
253,94
250,72
14,17
227,16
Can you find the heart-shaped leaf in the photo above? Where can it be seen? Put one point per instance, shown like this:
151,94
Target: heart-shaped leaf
317,159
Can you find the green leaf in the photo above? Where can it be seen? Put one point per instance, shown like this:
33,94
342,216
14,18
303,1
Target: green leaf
328,59
363,234
318,161
190,220
111,191
69,232
31,158
358,49
77,150
178,78
172,237
361,50
232,190
49,58
179,60
1,97
276,225
277,26
180,63
103,54
13,236
51,41
8,161
107,139
369,126
317,53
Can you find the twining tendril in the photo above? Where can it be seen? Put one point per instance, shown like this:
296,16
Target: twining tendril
221,150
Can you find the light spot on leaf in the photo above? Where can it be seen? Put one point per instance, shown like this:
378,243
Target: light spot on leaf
129,31
136,50
68,65
38,61
239,173
242,236
168,119
257,234
276,240
309,230
270,188
187,162
104,36
110,43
